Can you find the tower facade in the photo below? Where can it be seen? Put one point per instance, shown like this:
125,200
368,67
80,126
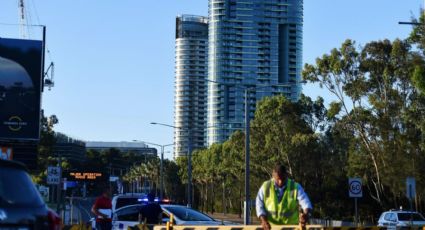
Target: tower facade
190,100
255,44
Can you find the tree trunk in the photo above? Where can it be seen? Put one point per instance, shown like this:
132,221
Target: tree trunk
240,203
213,197
202,198
206,197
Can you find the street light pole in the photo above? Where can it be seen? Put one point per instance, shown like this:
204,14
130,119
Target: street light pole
247,195
247,89
161,192
189,160
189,173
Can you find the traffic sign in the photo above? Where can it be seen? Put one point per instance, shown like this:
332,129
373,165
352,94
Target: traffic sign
410,188
44,192
53,175
355,187
64,184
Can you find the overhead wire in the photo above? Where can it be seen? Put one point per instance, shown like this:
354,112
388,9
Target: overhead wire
35,11
28,19
38,22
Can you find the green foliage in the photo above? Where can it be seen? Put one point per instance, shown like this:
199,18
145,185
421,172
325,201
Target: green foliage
418,78
45,156
375,96
373,130
334,110
149,171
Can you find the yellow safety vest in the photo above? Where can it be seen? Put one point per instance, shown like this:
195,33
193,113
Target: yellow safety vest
285,211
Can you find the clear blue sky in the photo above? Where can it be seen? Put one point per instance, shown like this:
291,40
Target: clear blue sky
115,59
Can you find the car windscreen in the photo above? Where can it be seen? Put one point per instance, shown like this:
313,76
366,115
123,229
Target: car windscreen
410,217
126,201
187,214
17,189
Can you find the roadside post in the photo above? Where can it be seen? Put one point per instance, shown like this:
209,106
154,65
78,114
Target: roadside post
54,176
355,191
410,190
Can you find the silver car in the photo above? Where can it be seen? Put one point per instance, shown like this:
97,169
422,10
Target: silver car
398,219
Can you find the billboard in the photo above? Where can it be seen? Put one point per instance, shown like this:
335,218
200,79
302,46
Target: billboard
21,75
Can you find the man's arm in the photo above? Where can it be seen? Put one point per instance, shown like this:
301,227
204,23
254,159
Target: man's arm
303,200
259,203
261,210
305,204
95,210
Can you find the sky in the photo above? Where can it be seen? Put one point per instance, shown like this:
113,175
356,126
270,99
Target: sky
114,59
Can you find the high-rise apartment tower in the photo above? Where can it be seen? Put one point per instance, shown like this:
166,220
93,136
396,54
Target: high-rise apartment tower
191,71
255,44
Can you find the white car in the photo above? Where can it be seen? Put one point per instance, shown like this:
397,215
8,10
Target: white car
128,216
396,219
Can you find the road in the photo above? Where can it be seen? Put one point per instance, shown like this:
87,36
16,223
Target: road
80,210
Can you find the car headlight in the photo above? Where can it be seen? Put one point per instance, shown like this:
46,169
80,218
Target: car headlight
402,223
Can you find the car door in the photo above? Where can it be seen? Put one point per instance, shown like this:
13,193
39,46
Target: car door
390,220
125,217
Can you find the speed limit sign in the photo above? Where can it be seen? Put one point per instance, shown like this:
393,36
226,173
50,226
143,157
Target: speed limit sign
355,187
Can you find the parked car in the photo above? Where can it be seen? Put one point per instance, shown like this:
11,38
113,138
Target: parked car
396,219
129,216
21,206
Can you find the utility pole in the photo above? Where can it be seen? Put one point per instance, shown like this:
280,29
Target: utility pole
59,188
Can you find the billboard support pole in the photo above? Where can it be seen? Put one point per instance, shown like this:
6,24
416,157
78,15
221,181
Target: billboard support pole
43,57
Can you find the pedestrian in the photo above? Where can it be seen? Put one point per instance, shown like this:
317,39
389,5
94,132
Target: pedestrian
151,213
278,201
102,208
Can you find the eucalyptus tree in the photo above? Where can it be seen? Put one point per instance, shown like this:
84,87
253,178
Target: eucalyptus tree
373,90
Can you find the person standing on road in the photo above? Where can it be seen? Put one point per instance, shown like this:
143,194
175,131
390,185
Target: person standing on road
151,212
278,201
102,208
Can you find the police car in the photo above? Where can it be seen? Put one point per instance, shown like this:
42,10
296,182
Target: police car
396,219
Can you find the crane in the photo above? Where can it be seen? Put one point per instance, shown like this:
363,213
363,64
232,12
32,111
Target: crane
23,24
22,19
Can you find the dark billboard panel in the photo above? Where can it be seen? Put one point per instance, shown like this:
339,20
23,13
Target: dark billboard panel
20,89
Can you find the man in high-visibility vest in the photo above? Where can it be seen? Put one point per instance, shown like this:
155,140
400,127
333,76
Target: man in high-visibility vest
278,201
